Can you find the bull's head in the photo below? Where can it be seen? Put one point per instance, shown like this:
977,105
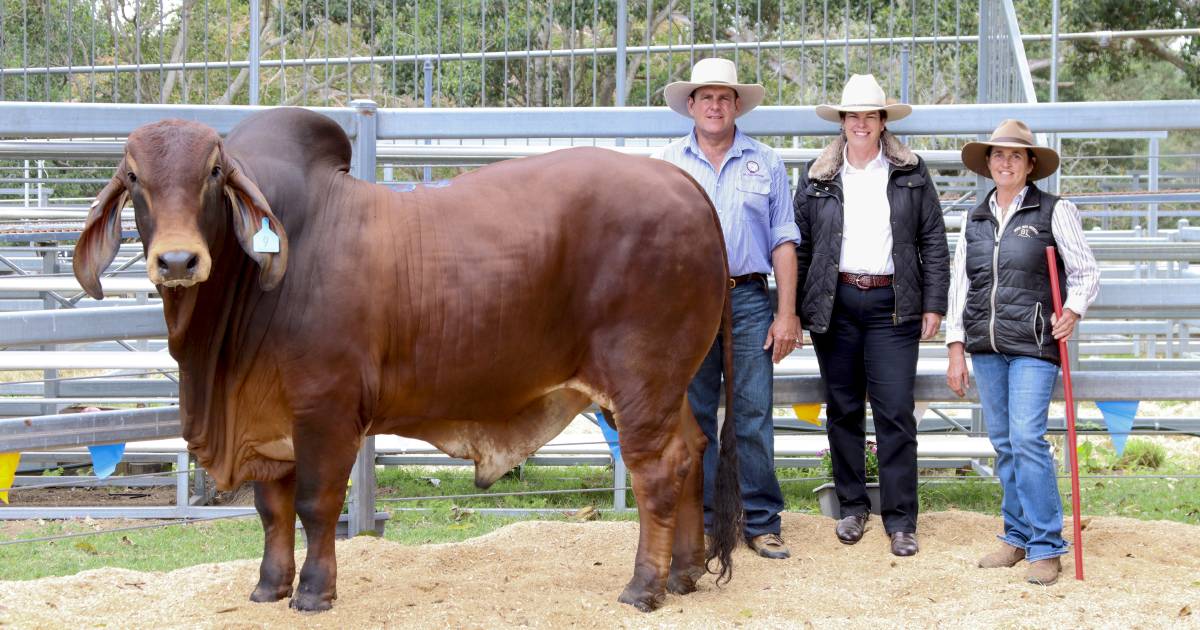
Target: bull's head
186,193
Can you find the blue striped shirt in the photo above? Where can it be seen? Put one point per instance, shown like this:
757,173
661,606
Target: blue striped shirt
752,195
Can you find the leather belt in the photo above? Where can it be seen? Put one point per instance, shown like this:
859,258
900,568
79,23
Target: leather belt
864,281
750,277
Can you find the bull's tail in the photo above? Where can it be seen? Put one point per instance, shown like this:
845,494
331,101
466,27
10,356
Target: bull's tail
727,526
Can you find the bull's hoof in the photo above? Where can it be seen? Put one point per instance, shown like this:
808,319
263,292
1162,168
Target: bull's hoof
645,602
266,593
683,582
308,602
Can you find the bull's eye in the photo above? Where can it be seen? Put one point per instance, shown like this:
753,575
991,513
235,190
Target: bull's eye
132,178
216,172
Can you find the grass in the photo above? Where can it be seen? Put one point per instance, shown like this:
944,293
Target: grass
161,549
451,520
420,481
1142,454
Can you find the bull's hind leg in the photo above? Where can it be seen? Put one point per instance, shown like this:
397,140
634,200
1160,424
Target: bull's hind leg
687,556
275,502
656,450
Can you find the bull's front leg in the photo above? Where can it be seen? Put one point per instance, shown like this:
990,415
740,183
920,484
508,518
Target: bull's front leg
323,463
276,505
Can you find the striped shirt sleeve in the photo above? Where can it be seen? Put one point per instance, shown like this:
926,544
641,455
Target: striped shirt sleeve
1083,275
783,217
958,290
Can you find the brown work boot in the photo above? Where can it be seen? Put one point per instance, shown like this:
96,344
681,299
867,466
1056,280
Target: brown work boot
1044,572
769,546
1006,556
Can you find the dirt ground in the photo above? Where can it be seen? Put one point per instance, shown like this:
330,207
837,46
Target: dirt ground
554,575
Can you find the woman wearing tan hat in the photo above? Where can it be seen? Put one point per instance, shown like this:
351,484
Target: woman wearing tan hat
1001,311
873,272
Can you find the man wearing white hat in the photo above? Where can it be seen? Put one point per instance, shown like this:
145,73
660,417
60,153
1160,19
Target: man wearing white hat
874,265
748,184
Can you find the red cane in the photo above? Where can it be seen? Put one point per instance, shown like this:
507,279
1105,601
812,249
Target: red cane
1052,262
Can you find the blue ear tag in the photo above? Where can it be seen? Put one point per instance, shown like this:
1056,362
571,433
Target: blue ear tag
266,241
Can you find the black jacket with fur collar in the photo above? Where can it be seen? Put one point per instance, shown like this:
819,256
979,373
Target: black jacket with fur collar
919,251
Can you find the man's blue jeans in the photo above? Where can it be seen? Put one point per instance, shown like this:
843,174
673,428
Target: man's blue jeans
1015,394
762,499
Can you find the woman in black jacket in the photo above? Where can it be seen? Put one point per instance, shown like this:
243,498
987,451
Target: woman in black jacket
873,272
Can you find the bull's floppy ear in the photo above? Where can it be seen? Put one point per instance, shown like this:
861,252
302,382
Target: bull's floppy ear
101,237
249,209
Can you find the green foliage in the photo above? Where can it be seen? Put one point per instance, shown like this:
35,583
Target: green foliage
1093,458
1121,59
1142,454
77,34
1138,454
57,472
872,462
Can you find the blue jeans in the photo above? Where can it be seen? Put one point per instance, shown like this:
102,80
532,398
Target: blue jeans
1015,394
762,499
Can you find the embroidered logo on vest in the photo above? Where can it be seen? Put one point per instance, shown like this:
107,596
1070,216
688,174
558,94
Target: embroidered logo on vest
1025,231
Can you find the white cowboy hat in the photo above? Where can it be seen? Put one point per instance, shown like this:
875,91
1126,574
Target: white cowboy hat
863,94
1012,134
713,71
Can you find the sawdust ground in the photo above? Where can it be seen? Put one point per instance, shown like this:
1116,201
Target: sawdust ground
556,575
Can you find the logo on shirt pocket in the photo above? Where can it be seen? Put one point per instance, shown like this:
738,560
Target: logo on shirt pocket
1026,231
752,166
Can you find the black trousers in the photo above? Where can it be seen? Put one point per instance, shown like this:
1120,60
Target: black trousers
863,353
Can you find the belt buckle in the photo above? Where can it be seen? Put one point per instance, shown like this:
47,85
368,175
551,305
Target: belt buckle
858,282
732,283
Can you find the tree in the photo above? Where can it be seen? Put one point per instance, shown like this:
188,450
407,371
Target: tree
1117,59
71,33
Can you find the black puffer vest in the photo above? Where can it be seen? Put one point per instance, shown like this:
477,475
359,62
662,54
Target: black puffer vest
1009,303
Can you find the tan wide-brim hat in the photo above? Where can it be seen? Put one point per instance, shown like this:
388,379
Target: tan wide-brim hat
1012,134
863,94
713,71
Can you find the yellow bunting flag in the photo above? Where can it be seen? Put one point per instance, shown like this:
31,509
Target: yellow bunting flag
8,471
808,413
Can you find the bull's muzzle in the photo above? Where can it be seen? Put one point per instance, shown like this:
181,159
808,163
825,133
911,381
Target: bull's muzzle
178,267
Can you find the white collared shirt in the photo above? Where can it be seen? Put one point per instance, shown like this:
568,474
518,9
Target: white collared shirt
866,218
1083,275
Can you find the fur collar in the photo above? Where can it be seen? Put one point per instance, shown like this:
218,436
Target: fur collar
829,163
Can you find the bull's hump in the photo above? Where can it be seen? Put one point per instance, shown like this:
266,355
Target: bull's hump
293,134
